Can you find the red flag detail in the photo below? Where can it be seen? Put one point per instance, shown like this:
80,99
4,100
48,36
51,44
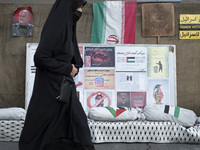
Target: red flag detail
119,111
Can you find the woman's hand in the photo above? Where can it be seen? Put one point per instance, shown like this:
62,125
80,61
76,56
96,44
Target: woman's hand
80,9
74,71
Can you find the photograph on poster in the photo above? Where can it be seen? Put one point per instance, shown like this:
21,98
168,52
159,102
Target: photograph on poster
131,58
123,99
99,79
131,99
79,79
81,50
23,22
131,81
158,91
99,98
99,57
158,62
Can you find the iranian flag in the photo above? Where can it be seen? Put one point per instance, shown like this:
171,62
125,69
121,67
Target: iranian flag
114,22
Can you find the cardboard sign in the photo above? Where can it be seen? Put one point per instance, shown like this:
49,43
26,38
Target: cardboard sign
158,19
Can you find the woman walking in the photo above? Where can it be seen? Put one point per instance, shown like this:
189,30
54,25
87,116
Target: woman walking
51,124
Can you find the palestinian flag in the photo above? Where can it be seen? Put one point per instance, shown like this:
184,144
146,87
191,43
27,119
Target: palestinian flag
172,110
130,59
115,111
114,22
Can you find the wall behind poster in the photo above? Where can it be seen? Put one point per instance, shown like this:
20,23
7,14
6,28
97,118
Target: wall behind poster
119,75
13,50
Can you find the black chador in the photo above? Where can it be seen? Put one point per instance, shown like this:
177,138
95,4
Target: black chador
50,124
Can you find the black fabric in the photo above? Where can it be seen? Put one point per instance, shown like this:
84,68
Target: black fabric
166,109
76,15
65,89
50,123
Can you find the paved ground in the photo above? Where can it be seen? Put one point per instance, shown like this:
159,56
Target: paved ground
123,146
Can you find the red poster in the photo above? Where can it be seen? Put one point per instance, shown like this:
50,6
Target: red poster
138,99
131,99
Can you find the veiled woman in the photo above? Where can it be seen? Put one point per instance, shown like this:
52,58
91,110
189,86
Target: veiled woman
51,124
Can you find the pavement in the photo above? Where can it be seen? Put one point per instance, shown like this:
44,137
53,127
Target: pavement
122,146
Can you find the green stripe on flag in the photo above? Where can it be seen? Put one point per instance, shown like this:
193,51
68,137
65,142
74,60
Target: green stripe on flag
113,112
104,22
98,23
176,112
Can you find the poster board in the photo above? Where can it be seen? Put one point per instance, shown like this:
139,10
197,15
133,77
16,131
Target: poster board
119,75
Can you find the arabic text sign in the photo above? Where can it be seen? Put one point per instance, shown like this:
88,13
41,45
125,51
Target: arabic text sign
130,81
189,26
99,79
131,58
189,34
189,19
99,57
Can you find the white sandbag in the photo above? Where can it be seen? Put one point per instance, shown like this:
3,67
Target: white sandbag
198,120
13,113
182,116
112,113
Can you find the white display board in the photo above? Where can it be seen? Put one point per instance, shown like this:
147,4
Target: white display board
119,75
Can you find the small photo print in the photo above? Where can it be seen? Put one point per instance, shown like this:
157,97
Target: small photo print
23,22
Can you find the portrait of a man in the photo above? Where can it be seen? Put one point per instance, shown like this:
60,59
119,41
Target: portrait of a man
21,23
